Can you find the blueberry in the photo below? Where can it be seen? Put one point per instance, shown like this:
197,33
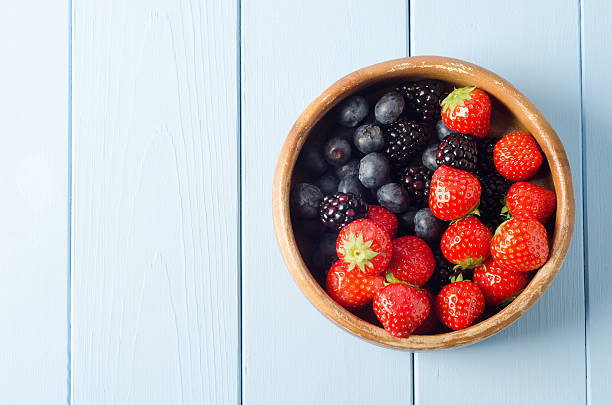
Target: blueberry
389,107
374,170
348,169
352,110
311,228
393,197
324,252
369,138
311,160
429,157
328,184
339,131
407,219
428,227
351,184
305,200
442,130
337,151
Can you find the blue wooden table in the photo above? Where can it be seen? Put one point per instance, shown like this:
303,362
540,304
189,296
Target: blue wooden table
138,262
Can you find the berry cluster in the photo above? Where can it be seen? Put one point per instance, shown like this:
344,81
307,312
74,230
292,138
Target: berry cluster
424,230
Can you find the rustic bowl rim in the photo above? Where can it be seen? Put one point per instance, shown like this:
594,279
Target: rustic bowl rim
457,71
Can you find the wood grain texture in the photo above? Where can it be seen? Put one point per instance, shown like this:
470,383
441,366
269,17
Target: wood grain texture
34,55
290,53
155,314
597,124
540,358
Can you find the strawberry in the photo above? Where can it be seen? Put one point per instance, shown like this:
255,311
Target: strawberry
467,110
466,242
366,245
430,324
530,200
453,193
517,156
412,260
520,244
459,304
499,285
400,308
383,217
351,288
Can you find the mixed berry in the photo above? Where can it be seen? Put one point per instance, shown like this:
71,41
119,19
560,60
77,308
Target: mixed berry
423,215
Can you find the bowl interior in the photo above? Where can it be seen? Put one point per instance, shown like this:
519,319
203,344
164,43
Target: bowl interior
511,111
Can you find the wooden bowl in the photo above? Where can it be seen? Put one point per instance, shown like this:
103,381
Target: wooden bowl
511,111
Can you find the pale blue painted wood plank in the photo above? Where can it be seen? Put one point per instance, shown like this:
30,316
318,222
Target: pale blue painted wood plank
34,53
155,307
597,124
291,52
539,359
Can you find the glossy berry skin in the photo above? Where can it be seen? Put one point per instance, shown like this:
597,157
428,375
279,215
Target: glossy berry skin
374,170
412,260
389,107
453,193
459,304
351,185
351,289
351,168
305,200
393,197
400,308
530,200
442,131
364,245
520,244
428,227
429,158
497,283
466,242
369,138
352,111
337,151
517,156
385,218
467,110
431,323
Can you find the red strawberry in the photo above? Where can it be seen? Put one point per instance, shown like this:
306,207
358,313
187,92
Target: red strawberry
520,244
517,156
400,308
466,242
467,110
454,193
366,245
351,289
383,217
412,260
459,304
499,285
530,200
430,324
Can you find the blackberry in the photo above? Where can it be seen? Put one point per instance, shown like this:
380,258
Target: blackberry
492,223
485,156
416,181
423,98
494,189
459,151
445,271
340,209
406,140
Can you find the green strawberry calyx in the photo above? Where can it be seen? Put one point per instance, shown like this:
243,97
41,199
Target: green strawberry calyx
457,98
505,212
469,263
391,279
457,278
357,252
